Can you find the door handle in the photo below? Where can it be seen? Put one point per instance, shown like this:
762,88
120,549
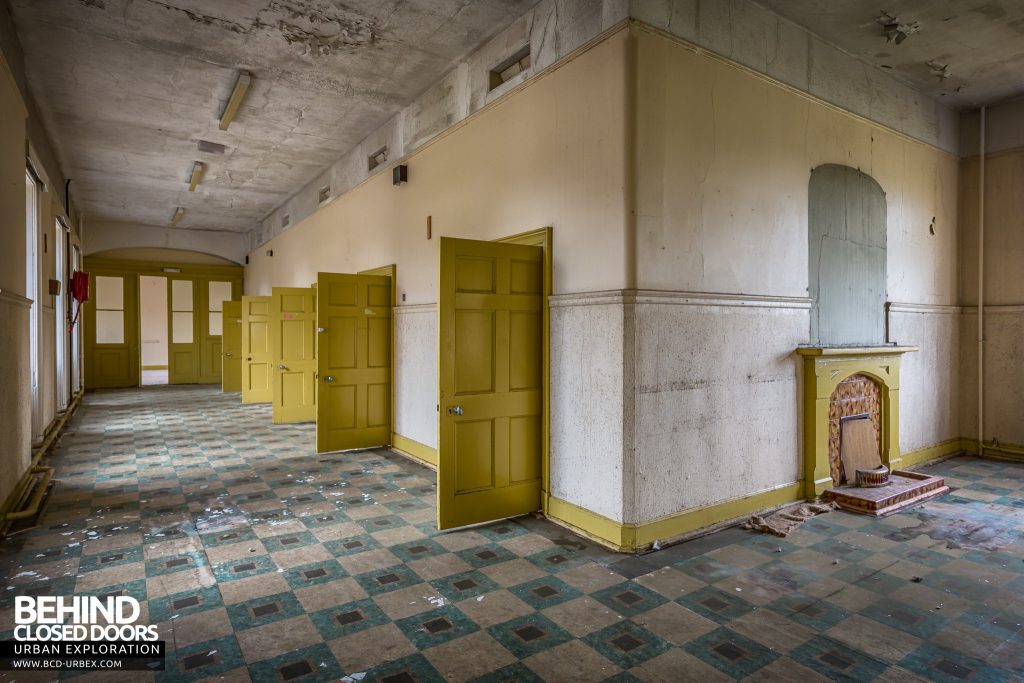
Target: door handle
281,366
329,378
321,329
455,410
228,354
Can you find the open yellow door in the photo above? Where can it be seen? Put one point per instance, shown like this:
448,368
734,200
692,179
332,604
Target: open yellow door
490,381
231,341
353,361
293,343
256,351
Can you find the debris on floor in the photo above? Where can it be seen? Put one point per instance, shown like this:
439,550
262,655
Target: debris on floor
782,522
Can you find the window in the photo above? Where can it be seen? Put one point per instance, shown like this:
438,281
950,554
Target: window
32,291
76,332
510,68
61,315
182,308
109,310
219,292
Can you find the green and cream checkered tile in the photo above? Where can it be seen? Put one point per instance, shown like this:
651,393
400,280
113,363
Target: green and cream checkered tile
335,559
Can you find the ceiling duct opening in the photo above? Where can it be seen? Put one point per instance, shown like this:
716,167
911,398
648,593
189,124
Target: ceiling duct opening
208,147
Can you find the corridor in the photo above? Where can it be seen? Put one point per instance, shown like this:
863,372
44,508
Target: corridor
260,560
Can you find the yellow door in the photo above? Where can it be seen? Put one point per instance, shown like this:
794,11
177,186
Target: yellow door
112,332
256,350
490,381
353,361
293,343
231,339
182,359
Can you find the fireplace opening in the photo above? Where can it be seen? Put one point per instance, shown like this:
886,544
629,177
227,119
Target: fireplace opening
858,397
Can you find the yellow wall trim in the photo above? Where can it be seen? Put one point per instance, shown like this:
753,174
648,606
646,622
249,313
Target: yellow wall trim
1010,452
154,367
632,537
414,449
929,453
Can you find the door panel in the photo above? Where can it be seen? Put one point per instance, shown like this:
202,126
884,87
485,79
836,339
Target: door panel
256,350
111,332
490,381
231,338
293,344
354,361
182,356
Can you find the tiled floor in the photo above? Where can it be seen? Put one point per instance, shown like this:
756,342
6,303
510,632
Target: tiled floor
260,560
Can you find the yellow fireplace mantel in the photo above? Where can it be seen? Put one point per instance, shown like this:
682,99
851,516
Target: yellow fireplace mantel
824,368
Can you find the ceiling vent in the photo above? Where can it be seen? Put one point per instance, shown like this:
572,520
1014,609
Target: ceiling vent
377,158
510,68
208,147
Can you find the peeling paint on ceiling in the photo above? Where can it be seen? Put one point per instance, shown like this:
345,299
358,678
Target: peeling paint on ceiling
128,88
961,53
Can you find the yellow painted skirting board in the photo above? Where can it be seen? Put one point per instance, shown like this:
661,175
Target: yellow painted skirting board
154,367
1010,452
414,449
939,450
630,537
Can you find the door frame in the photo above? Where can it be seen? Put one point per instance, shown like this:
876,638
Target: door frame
543,238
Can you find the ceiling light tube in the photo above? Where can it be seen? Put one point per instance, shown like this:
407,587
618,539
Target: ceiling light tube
179,213
197,175
235,101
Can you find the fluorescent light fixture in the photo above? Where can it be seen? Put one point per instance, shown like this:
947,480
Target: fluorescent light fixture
170,270
197,175
179,213
235,101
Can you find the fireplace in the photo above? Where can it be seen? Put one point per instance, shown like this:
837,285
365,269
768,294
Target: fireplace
862,384
841,382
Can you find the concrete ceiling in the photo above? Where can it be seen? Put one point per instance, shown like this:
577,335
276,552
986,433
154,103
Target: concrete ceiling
127,88
981,42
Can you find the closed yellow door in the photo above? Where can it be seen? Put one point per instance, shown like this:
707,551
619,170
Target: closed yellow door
293,343
231,339
112,332
490,381
353,361
182,358
256,350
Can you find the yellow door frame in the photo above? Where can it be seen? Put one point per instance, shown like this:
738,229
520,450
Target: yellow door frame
544,238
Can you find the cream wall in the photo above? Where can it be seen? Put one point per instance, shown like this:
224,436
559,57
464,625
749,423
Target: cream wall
723,160
551,153
1003,286
23,137
15,410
